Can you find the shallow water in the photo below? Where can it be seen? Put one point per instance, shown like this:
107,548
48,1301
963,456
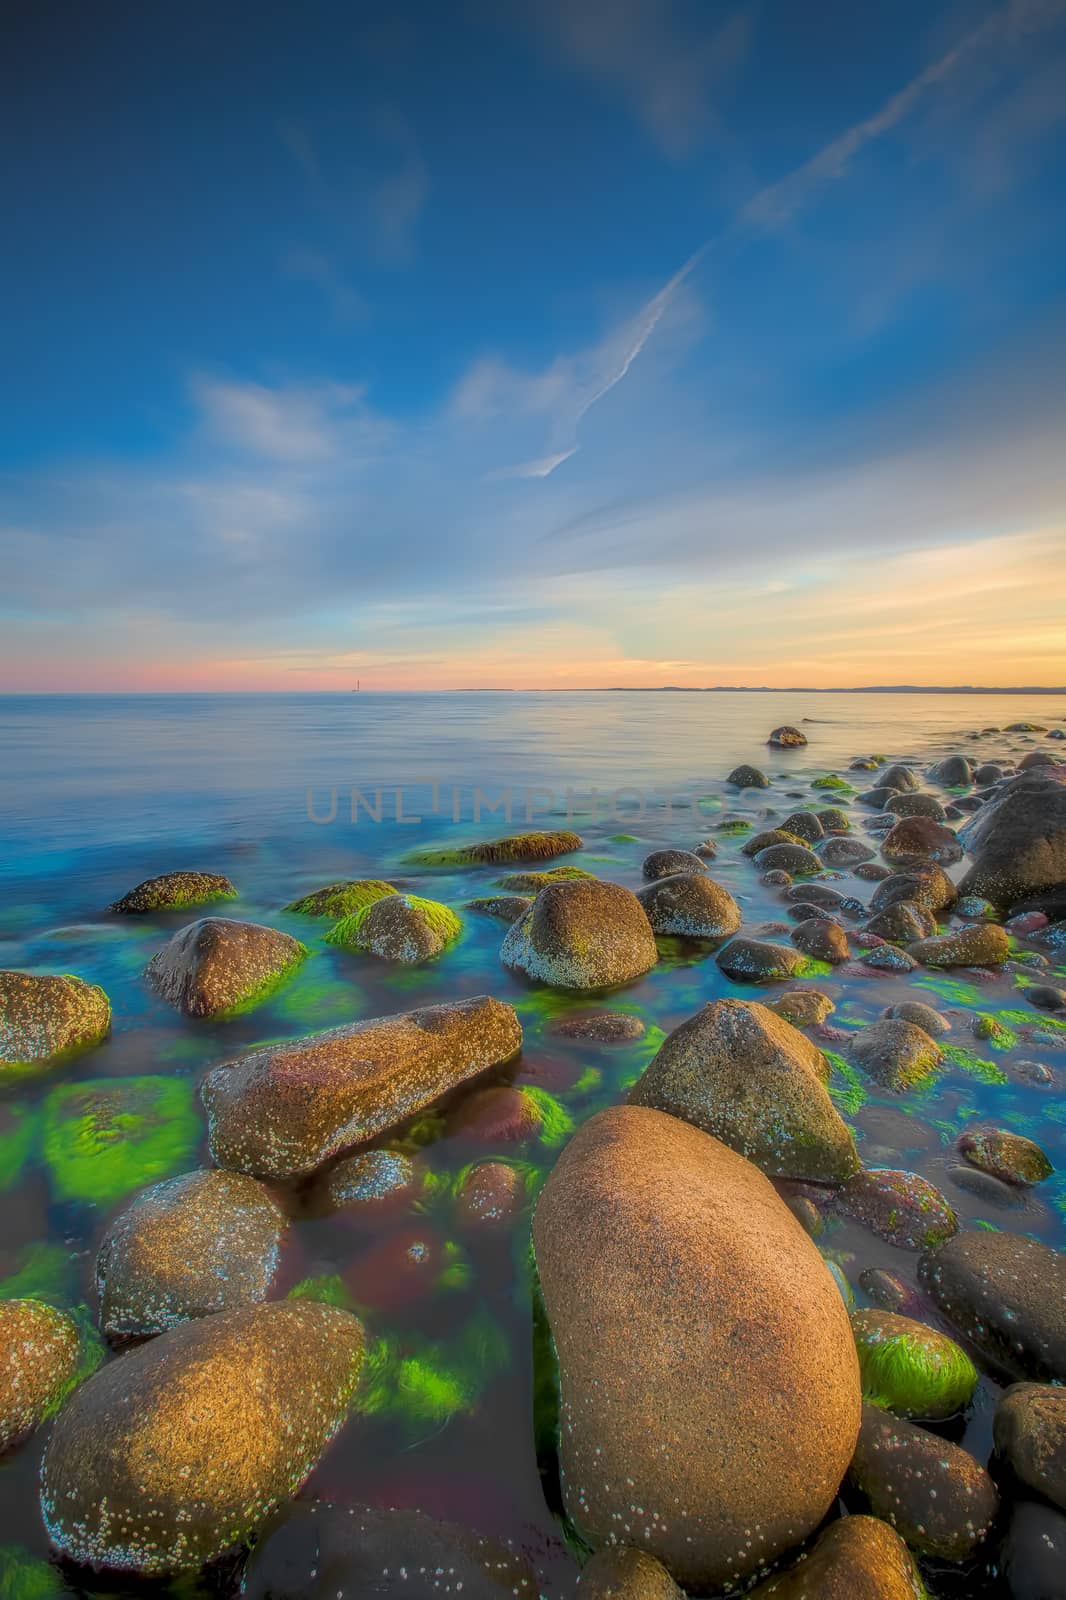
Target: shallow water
102,792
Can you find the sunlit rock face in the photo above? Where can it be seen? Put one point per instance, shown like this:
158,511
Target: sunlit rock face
582,935
44,1016
217,965
38,1358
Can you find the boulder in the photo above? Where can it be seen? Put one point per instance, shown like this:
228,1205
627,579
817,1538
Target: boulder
935,1495
856,1558
917,805
759,961
786,738
1019,841
535,846
319,1552
622,1572
217,965
1032,1557
43,1017
177,1451
286,1109
804,1008
584,935
899,778
792,858
767,837
665,863
505,907
822,894
910,1369
888,958
1007,1156
902,923
602,1027
399,927
897,1054
745,777
925,885
902,1208
39,1353
953,772
173,891
1007,1294
923,1016
839,850
688,1305
920,839
740,1072
690,905
204,1242
822,939
804,825
343,899
980,944
1030,1434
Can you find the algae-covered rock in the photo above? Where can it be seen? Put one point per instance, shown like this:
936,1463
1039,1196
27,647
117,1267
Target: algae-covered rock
856,1558
902,1208
319,1552
1007,1294
834,820
399,927
588,935
1007,1156
1030,1433
177,1451
104,1137
747,777
688,1305
933,1493
690,905
767,837
664,863
920,839
343,899
740,1072
534,846
45,1016
909,1368
173,891
217,965
533,881
39,1353
897,1054
286,1109
760,961
622,1572
979,944
804,1008
193,1245
504,907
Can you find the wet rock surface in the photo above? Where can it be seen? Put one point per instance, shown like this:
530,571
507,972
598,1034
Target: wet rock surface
39,1348
856,1558
588,935
399,927
690,905
902,1208
218,965
626,1573
1007,1294
665,863
979,945
44,1017
760,961
173,891
910,1369
1030,1434
1007,1156
896,1053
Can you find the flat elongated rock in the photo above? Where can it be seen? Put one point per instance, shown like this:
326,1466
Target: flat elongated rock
42,1017
173,891
1007,1294
177,1451
283,1111
317,1552
794,858
841,851
1007,1156
201,1243
1030,1433
902,1208
583,935
856,1558
744,1074
760,961
218,965
692,1316
535,846
980,944
38,1358
920,839
935,1495
690,905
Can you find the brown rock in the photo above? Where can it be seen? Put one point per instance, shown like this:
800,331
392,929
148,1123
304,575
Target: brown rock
822,939
902,1208
173,891
690,905
218,965
804,1008
935,1495
624,1573
979,944
856,1558
897,1054
1030,1432
38,1358
44,1016
920,839
582,935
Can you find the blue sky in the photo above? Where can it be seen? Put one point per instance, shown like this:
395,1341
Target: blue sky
533,344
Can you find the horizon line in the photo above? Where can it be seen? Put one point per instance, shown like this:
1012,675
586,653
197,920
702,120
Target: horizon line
630,688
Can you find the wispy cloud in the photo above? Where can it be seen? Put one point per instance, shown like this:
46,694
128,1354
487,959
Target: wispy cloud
314,267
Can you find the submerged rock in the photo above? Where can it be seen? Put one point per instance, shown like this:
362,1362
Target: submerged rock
622,1572
690,905
1032,1557
686,1303
201,1243
953,772
536,846
840,851
1019,841
899,778
343,899
897,1054
1030,1433
177,1451
804,1008
1007,1294
935,1495
217,965
602,1027
665,863
786,738
902,1208
1005,1155
173,891
39,1352
42,1017
286,1109
588,935
923,1016
920,839
320,1552
747,1076
370,1179
399,927
910,1369
491,1194
759,961
979,944
745,777
532,882
507,907
856,1558
791,858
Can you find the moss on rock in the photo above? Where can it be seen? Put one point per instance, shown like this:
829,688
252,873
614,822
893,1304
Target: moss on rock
341,899
399,927
173,891
45,1017
910,1369
536,846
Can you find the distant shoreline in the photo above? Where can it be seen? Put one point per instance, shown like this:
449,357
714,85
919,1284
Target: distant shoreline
619,688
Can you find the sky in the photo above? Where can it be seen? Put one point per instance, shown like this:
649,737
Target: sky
532,344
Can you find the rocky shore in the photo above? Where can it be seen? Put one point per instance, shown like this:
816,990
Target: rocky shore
770,1354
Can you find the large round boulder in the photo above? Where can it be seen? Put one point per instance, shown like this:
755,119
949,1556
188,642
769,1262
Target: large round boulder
746,1075
582,935
177,1451
398,927
690,905
45,1016
1018,842
1030,1433
205,1242
218,965
707,1370
1007,1294
39,1349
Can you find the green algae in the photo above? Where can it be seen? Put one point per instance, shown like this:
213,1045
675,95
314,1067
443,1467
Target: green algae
623,838
851,1095
1040,1020
954,990
833,783
267,986
328,1289
24,1577
737,826
339,900
556,1123
994,1032
532,882
19,1129
590,1079
970,1062
439,918
108,1136
911,1370
45,1272
536,846
415,1382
